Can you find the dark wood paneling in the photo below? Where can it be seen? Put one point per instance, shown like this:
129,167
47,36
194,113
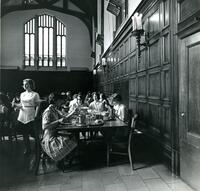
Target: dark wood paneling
150,77
154,115
154,23
133,105
166,12
127,47
142,85
166,127
154,84
142,108
166,84
132,87
166,55
188,7
194,88
133,63
154,54
128,66
143,60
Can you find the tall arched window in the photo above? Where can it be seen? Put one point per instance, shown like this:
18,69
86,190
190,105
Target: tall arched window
45,42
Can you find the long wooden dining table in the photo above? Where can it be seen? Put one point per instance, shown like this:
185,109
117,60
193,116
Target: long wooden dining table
107,128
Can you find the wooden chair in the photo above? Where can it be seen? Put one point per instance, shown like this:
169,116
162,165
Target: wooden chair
6,128
40,155
124,147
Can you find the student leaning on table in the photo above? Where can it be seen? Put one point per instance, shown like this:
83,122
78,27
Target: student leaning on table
57,147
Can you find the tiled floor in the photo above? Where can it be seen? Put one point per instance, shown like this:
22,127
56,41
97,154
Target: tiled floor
15,176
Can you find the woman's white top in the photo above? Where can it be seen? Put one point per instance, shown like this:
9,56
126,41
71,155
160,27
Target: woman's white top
120,111
95,105
29,102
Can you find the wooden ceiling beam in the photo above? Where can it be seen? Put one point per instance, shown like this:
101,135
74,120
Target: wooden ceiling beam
84,17
7,9
87,20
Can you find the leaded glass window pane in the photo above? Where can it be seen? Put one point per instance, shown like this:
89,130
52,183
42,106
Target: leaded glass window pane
39,50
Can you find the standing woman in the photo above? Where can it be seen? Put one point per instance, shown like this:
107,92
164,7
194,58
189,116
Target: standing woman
28,111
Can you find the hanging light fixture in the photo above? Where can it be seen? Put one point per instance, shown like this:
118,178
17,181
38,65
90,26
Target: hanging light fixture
138,31
26,2
104,63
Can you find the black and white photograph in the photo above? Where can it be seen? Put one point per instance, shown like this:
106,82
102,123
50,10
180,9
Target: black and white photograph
100,95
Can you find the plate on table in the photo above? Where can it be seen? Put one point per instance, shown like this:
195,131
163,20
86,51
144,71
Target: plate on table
84,107
80,124
97,122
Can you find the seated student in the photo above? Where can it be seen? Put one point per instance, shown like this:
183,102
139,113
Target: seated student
56,147
3,107
4,111
88,98
119,108
73,102
121,112
68,98
95,104
76,105
103,102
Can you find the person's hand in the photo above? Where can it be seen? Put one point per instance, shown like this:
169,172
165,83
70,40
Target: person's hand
72,112
61,120
13,103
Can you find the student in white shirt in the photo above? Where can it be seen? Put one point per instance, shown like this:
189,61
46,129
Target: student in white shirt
28,111
95,104
119,108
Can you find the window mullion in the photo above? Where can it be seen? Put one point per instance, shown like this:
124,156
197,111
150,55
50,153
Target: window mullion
36,60
29,46
42,46
61,45
54,43
25,45
48,25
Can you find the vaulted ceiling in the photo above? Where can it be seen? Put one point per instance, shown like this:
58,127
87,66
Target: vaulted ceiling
88,8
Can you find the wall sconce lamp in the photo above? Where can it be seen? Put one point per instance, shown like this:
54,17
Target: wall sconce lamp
95,68
94,71
26,2
103,63
138,31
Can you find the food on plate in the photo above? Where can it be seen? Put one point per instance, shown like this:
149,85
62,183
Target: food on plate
98,121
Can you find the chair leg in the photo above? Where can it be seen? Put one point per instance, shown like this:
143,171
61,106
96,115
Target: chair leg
38,152
130,157
37,160
129,150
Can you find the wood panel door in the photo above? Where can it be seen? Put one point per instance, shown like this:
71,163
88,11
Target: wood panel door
189,109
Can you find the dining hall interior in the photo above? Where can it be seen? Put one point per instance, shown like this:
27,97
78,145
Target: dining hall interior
142,58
